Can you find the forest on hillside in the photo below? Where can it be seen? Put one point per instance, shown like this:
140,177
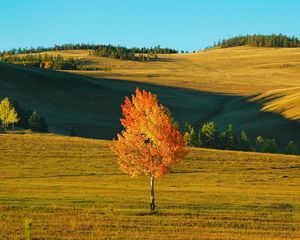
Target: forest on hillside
45,61
259,40
110,51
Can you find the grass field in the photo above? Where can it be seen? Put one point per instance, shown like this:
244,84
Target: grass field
239,70
223,85
72,189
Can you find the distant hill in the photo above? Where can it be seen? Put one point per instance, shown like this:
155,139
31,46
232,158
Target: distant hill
223,85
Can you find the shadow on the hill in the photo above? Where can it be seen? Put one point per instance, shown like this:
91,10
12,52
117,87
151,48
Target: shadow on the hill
90,107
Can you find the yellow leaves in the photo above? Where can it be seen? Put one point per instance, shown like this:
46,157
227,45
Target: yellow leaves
151,143
8,114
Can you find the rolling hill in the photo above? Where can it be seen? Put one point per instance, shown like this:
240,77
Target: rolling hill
225,85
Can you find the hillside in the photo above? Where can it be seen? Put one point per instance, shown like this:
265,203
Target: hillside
239,70
283,101
216,84
72,189
92,106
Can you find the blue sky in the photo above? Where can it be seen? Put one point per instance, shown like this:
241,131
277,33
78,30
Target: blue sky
180,24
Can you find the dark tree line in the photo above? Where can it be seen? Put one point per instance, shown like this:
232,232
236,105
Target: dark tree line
209,136
97,49
133,54
62,47
259,40
45,61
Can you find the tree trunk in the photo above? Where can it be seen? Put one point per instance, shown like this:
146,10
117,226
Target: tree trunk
152,198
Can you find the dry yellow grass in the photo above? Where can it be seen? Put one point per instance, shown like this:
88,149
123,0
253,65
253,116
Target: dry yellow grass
72,189
239,71
283,101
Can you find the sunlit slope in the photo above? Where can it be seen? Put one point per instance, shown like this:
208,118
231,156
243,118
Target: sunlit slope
283,101
72,189
239,70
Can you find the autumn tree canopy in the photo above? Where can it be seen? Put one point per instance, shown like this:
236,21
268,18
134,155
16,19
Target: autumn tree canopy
151,142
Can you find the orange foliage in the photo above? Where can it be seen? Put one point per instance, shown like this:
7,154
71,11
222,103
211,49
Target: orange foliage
47,65
151,142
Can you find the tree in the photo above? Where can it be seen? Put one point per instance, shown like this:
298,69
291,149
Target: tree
266,145
192,138
151,142
8,114
209,135
244,142
228,138
13,118
37,123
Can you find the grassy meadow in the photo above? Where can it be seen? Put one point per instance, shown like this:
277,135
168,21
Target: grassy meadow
72,188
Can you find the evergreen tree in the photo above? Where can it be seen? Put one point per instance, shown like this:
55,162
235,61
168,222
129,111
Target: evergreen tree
209,135
228,138
37,123
266,145
192,136
244,142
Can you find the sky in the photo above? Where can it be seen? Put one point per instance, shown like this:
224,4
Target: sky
180,24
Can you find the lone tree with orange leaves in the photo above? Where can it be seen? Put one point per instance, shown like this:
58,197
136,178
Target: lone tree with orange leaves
151,142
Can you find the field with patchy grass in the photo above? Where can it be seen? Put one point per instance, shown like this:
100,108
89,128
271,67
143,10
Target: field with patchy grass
72,188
